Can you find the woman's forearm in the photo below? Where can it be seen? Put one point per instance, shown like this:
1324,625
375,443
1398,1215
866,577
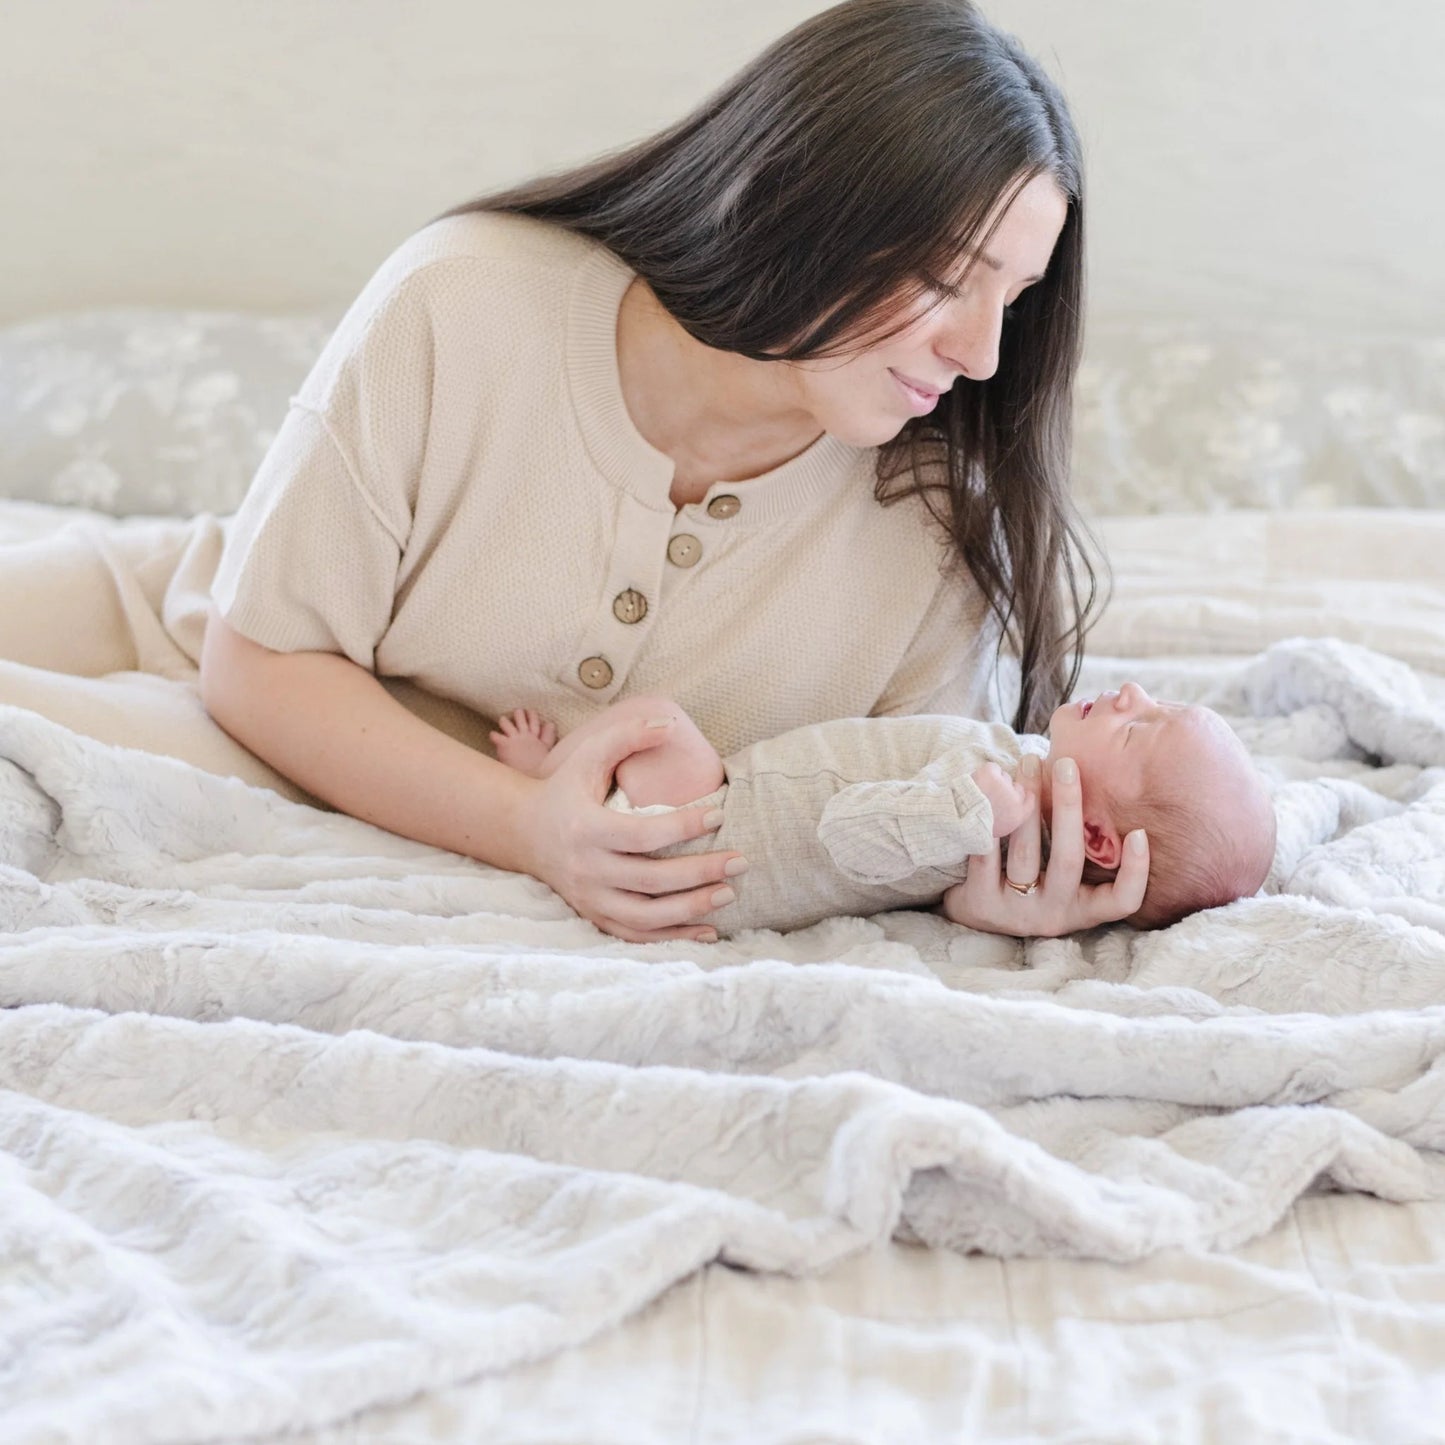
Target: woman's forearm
332,728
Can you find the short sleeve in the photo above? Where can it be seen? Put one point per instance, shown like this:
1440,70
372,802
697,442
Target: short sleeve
308,565
312,555
950,665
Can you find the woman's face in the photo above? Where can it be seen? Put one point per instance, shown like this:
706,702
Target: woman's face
865,398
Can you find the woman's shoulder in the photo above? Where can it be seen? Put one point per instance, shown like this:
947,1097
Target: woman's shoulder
490,239
457,291
477,268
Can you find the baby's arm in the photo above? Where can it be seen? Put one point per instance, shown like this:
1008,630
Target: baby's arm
678,771
885,829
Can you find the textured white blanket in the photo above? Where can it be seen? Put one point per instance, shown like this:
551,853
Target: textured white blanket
297,1117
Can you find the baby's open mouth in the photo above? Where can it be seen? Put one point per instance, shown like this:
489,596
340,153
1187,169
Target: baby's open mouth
1085,708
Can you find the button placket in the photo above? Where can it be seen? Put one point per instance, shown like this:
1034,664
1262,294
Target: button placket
608,644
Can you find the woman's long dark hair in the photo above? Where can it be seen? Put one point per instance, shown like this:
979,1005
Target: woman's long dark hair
829,186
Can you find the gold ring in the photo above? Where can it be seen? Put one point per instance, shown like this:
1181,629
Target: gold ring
1024,888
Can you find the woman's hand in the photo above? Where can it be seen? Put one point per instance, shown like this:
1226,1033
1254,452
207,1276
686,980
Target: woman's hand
590,854
1062,901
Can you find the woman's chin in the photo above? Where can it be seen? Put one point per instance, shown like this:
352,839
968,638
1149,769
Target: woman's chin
866,432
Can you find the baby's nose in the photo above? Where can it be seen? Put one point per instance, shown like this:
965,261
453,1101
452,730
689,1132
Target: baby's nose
1132,696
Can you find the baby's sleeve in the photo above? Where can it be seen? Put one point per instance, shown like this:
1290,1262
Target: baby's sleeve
881,832
312,555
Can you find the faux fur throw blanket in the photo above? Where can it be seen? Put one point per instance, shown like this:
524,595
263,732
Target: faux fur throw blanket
298,1117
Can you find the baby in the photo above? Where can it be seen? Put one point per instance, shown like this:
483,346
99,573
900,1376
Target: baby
860,815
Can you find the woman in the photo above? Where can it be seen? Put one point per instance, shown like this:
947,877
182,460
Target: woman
768,414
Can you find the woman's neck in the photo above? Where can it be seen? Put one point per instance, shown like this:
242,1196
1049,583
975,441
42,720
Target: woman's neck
718,415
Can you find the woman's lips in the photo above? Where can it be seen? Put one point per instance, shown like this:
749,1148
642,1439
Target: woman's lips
920,399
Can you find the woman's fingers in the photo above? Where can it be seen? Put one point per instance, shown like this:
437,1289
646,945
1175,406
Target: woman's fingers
671,910
1125,895
1085,906
657,876
628,833
660,892
1066,833
1025,845
646,899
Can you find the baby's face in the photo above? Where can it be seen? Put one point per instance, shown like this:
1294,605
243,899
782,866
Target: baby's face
1125,742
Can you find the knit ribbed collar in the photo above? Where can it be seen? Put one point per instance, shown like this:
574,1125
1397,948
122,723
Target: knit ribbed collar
627,459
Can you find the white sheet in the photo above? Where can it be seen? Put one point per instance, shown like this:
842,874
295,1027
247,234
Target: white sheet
299,1114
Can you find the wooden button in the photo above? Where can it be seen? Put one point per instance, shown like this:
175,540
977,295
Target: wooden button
595,672
629,606
683,550
724,507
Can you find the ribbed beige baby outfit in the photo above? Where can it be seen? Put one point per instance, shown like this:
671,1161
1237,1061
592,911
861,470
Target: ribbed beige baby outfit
852,817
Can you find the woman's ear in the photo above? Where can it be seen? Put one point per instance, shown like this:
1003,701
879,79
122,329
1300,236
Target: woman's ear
1102,844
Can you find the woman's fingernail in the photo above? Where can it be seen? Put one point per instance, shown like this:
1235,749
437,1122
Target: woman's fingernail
734,866
723,896
714,819
708,937
1030,766
659,722
1065,771
1138,842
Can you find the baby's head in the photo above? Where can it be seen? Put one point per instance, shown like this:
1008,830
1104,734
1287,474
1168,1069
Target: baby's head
1180,773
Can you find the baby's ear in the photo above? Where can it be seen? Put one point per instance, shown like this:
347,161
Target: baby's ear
1102,845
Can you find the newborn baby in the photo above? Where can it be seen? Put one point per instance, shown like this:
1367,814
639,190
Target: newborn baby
860,815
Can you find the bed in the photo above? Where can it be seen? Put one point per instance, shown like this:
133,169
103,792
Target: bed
312,1133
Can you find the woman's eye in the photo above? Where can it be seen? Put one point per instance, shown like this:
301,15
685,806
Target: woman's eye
952,293
942,288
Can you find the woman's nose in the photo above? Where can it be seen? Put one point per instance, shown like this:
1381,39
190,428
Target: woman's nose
978,363
971,345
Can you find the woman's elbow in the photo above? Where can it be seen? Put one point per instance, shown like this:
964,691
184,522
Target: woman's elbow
226,656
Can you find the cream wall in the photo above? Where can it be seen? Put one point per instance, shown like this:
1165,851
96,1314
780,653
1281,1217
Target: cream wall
1274,158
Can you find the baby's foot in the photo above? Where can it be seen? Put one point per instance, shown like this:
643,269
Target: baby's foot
524,740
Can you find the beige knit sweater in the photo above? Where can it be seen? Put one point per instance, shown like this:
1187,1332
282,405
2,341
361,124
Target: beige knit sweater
459,497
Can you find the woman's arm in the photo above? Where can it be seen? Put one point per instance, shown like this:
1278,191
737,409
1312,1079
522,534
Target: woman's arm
331,726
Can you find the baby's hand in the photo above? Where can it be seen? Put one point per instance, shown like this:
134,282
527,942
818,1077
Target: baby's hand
1011,802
